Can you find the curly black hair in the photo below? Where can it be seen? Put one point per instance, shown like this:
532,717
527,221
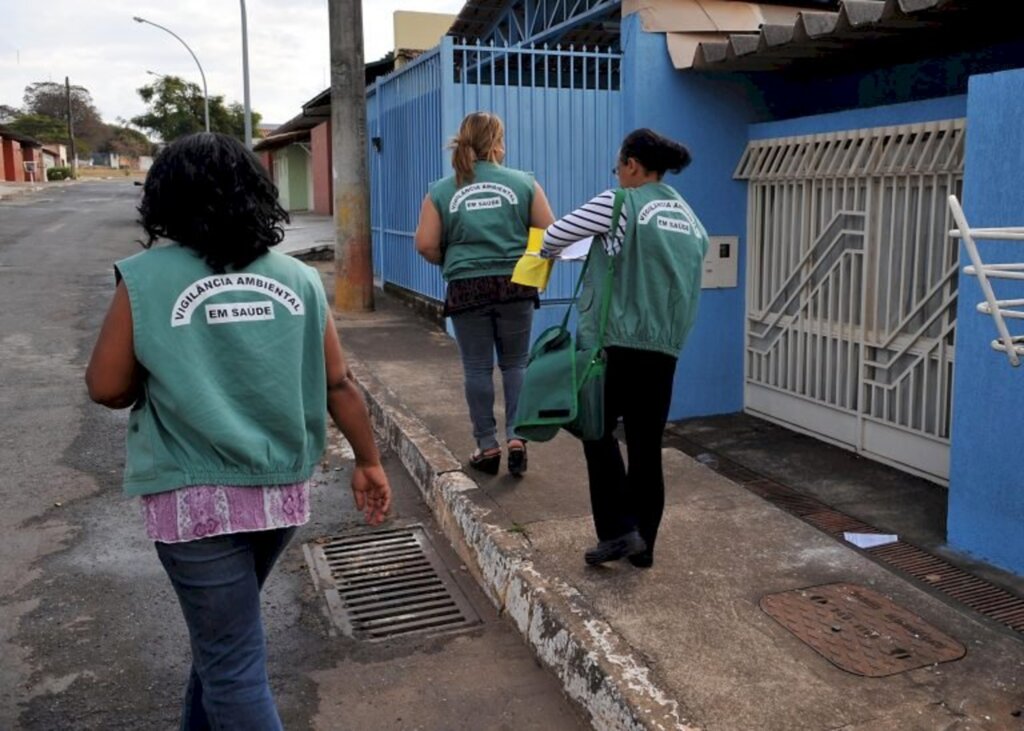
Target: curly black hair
655,152
207,192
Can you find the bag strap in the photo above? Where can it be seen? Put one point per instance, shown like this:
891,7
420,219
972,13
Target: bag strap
609,277
620,196
576,293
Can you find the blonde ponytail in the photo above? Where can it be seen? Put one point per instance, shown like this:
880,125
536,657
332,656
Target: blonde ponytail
463,158
481,135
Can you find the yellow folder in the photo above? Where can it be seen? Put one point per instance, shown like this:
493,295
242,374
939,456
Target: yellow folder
531,270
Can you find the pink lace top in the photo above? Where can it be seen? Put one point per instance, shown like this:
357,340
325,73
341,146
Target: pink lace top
203,511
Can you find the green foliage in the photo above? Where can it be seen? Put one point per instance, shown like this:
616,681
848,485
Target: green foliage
58,173
40,127
175,108
44,118
8,113
126,141
49,99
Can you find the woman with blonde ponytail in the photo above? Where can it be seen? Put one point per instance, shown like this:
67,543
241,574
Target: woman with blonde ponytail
475,224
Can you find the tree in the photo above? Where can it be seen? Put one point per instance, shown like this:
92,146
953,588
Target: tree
49,99
41,127
8,113
126,142
175,108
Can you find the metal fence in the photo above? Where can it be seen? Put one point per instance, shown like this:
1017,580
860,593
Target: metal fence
852,287
404,121
562,114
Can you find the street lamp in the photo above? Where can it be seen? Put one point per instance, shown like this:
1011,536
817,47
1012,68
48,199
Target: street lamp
245,79
206,97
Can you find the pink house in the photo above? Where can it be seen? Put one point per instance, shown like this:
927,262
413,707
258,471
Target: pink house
13,169
15,150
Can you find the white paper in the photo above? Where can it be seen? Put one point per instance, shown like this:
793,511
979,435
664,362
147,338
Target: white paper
579,250
870,540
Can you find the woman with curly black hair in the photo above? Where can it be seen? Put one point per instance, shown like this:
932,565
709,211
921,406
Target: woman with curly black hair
229,357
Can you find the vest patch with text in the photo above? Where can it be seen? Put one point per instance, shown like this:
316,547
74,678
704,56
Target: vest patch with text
203,289
654,208
495,192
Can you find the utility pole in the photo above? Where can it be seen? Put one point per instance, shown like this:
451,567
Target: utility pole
353,260
71,129
245,78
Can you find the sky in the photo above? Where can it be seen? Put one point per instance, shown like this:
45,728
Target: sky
98,45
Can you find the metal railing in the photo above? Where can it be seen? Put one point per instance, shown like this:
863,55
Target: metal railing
1000,310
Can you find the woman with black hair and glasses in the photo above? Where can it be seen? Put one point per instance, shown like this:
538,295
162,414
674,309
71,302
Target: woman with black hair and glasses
657,252
228,355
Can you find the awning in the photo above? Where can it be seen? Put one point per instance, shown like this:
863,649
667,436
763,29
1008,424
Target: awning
859,33
597,28
277,141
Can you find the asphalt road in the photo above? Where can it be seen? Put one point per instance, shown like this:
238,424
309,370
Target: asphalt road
90,632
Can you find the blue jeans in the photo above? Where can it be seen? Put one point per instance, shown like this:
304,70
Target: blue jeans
503,329
218,582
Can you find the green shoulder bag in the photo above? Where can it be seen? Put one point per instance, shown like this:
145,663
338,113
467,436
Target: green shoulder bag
563,387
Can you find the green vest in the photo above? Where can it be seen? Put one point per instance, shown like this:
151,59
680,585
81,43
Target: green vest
657,275
235,384
485,223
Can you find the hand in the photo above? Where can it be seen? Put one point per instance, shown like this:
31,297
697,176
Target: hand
372,492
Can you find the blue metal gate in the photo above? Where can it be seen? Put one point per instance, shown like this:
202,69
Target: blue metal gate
563,121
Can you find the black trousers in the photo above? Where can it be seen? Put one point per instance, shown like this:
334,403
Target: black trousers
638,388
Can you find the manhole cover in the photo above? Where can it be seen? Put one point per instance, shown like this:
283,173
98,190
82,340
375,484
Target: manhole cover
861,631
388,583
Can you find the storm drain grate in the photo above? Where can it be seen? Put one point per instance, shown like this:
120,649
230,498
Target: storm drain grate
976,593
861,631
389,583
929,570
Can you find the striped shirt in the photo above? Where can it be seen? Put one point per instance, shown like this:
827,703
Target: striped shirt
593,218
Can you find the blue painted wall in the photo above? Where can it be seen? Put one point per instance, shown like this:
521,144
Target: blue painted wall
930,110
986,493
809,91
716,114
711,117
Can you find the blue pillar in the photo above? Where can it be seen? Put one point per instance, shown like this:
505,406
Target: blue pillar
986,493
711,117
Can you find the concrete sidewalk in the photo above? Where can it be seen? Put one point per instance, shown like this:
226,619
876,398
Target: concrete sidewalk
10,190
13,190
308,235
684,645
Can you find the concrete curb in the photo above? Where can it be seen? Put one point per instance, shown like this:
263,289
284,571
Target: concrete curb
596,666
319,252
19,191
24,189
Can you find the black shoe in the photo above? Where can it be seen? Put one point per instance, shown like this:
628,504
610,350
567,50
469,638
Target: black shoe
517,460
621,547
642,560
488,463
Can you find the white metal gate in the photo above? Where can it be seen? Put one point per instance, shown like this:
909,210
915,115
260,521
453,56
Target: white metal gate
852,286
